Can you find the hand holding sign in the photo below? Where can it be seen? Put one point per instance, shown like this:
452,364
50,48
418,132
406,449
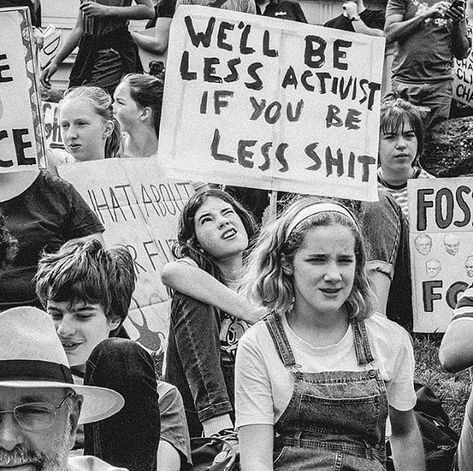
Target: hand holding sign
307,109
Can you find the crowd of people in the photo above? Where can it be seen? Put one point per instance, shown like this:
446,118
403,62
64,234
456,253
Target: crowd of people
291,334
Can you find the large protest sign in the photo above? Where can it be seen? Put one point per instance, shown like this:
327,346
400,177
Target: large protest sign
21,145
441,241
262,102
139,209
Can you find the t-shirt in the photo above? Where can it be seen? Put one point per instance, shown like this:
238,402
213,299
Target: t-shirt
426,54
173,419
399,192
371,18
464,307
166,8
100,25
90,463
45,216
264,386
245,6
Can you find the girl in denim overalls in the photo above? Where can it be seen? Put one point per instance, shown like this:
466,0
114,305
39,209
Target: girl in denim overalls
316,380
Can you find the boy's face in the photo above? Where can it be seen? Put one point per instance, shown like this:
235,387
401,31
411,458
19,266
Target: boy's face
80,328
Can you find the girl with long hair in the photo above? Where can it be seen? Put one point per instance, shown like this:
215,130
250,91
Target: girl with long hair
214,233
317,379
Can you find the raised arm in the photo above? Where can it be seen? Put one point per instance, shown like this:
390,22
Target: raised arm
159,43
354,14
461,43
192,281
406,441
396,28
143,10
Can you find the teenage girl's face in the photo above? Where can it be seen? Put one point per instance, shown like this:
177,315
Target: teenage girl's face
84,132
126,110
323,270
80,328
397,150
219,229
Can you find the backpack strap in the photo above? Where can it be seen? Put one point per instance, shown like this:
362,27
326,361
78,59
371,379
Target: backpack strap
217,3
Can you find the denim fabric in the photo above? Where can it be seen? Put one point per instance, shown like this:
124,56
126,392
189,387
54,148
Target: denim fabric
464,456
386,231
335,420
130,438
194,362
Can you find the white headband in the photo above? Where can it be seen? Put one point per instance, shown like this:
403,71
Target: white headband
317,208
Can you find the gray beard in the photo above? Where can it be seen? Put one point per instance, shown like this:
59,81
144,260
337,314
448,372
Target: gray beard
22,454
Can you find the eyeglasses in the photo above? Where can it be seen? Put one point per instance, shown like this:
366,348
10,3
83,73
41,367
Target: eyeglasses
36,415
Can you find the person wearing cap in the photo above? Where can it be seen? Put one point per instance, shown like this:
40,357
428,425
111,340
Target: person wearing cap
40,406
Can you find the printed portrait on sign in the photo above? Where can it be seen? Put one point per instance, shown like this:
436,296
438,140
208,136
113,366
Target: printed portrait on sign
433,267
423,244
452,244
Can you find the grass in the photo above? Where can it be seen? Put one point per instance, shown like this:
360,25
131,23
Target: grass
452,389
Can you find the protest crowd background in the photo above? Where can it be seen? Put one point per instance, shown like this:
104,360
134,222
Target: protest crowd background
230,229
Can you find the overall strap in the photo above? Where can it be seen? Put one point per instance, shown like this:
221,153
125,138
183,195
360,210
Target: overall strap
217,3
362,344
274,325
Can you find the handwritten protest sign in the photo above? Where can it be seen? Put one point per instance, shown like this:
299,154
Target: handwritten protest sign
50,113
139,209
441,241
463,77
21,145
261,102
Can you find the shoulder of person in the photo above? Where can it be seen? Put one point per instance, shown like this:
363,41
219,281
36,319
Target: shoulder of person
167,392
389,333
257,334
421,173
187,261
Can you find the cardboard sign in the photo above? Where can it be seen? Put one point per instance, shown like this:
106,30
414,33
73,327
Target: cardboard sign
463,77
441,241
21,142
52,128
139,209
266,103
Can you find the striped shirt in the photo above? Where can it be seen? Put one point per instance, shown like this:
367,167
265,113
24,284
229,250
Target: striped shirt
464,307
399,192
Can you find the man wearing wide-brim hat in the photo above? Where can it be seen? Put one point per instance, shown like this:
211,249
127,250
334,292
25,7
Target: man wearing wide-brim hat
40,406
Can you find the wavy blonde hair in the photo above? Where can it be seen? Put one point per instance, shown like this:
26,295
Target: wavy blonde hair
265,281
